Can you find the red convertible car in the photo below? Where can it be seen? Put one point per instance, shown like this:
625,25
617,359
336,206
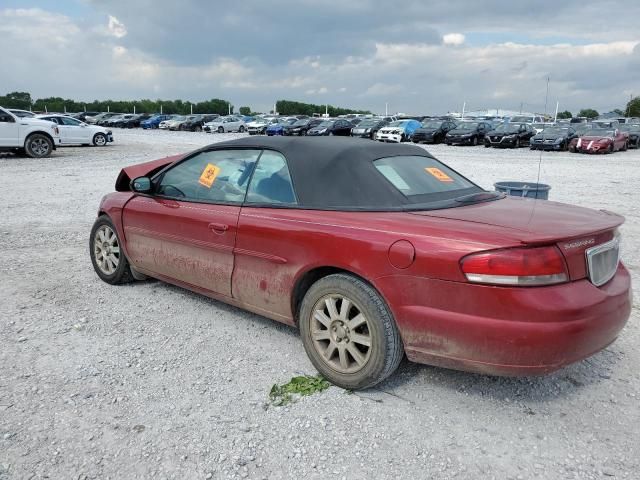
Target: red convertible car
601,141
374,251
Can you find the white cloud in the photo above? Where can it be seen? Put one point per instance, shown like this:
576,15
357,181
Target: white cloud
116,27
453,39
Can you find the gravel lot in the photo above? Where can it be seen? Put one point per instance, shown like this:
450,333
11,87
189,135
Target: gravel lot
151,381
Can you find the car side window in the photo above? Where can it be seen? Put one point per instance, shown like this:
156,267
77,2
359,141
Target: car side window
68,121
6,118
271,182
218,176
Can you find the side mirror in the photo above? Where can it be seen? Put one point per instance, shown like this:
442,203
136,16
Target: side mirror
141,185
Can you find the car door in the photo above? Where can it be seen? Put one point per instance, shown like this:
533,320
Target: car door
185,230
77,132
9,130
66,137
266,260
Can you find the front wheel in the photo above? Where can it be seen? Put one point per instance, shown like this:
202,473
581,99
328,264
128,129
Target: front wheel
349,333
106,253
38,145
99,139
474,141
517,144
198,128
220,129
241,129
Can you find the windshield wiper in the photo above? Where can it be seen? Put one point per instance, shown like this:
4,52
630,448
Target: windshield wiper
480,197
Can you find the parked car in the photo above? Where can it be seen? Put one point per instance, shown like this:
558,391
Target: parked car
530,119
132,122
259,126
416,260
196,124
75,132
225,124
368,128
154,122
301,126
177,122
340,127
278,127
509,135
633,130
468,133
602,141
553,138
82,116
93,120
104,120
433,131
164,125
29,136
610,124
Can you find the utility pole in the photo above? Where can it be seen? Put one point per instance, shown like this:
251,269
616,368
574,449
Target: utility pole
464,104
629,105
521,105
555,119
386,109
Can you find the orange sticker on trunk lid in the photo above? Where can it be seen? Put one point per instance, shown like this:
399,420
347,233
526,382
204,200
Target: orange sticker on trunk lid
209,175
439,174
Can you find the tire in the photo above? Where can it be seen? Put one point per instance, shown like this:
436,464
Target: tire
100,140
38,145
610,149
114,267
241,129
486,145
198,128
367,365
220,129
474,141
625,147
517,144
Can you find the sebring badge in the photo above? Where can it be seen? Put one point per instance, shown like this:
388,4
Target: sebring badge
579,243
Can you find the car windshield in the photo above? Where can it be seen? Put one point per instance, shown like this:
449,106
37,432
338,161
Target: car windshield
23,113
431,124
556,130
507,128
520,119
291,121
301,123
424,179
398,123
179,118
326,124
627,127
368,123
467,126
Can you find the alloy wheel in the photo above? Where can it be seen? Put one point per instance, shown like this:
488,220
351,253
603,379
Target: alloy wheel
106,250
39,146
340,333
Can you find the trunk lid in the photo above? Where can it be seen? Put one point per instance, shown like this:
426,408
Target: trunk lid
533,222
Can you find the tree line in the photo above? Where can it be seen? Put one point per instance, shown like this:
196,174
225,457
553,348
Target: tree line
23,100
289,107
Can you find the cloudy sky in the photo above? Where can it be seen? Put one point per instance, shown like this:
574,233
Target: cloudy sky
419,56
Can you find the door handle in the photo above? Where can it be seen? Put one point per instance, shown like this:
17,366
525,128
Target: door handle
219,228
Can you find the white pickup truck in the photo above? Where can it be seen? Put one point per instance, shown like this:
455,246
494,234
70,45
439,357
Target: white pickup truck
27,136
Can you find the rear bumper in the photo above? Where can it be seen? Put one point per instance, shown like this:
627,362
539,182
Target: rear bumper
508,331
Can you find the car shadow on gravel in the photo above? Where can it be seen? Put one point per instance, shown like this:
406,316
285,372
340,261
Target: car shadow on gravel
565,382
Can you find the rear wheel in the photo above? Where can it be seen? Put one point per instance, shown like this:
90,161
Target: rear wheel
38,145
198,128
474,141
241,129
517,144
107,256
349,333
99,139
220,129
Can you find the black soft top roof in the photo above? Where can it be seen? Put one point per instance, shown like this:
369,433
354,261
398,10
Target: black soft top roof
335,172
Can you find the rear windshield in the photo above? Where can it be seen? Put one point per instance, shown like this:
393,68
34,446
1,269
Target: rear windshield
423,179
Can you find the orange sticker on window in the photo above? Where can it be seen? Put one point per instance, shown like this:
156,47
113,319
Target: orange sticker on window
439,174
209,175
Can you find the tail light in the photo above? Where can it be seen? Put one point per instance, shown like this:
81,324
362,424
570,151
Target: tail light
516,266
